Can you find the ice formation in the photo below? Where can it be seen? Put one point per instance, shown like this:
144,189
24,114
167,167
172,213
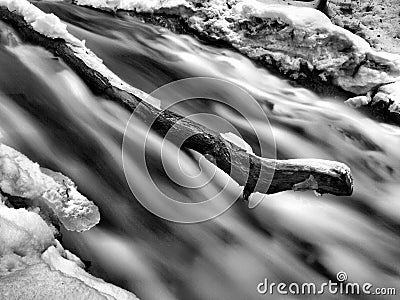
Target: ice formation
289,37
34,265
21,177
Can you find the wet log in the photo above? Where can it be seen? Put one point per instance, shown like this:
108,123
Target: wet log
255,173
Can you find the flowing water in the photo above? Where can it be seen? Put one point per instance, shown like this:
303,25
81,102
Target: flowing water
49,114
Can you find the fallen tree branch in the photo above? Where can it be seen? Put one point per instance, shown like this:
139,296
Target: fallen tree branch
256,174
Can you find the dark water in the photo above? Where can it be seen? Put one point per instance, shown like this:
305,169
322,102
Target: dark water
49,114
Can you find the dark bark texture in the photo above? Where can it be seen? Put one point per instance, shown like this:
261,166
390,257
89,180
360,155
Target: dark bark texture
256,174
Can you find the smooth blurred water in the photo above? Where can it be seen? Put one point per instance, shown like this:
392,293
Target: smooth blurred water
49,114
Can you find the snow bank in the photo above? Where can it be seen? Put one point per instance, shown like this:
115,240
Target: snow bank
54,258
286,36
137,5
389,95
358,101
37,281
23,237
301,18
386,98
322,46
23,232
21,177
33,265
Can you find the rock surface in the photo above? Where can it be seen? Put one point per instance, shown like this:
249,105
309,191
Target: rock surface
300,41
33,264
38,282
377,21
21,177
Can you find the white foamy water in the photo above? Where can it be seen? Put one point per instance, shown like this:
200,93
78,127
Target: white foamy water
49,114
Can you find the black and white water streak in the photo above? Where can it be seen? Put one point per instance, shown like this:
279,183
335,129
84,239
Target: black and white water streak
49,114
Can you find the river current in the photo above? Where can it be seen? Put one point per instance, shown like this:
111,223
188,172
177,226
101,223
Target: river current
48,113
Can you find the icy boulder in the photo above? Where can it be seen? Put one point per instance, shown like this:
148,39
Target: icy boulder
37,282
23,236
23,232
21,177
299,41
55,258
137,5
33,264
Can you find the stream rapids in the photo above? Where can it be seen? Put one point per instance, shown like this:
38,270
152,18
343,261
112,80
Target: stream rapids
49,114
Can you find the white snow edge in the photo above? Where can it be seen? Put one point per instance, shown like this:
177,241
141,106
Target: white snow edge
26,240
21,177
307,21
238,141
136,5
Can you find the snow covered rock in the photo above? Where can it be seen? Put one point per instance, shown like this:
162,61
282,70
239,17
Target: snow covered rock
33,264
21,177
137,5
38,282
384,102
358,101
23,235
390,95
55,277
300,41
54,258
387,101
294,39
